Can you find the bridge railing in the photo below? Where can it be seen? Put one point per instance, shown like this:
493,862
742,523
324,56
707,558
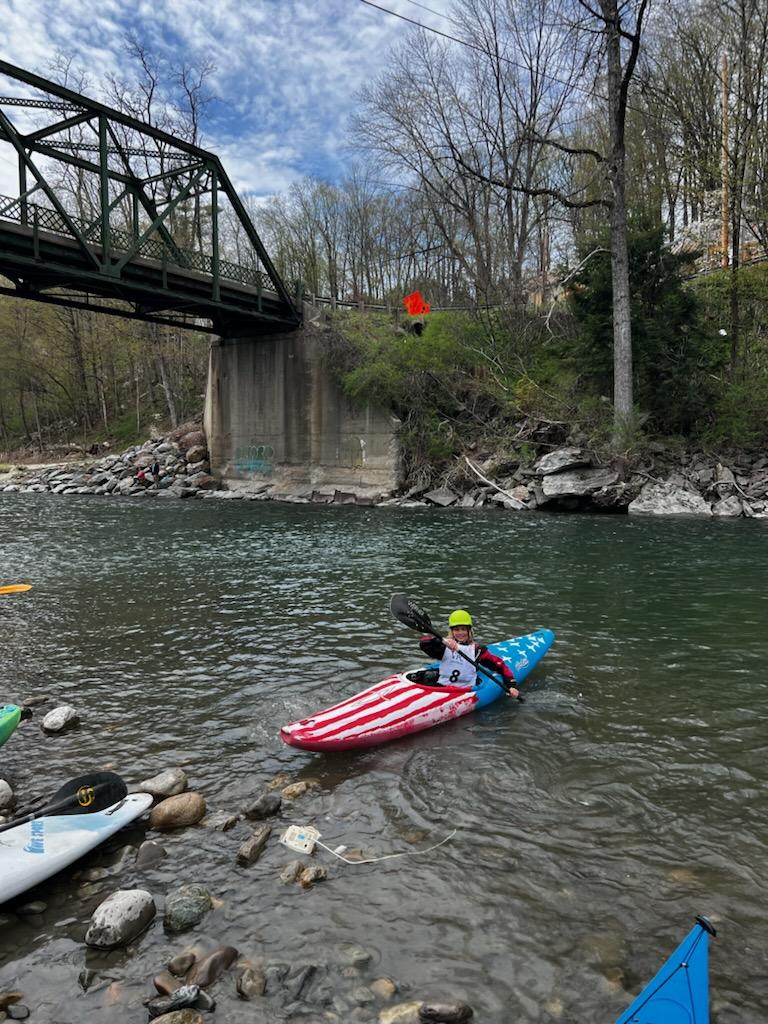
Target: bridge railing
43,218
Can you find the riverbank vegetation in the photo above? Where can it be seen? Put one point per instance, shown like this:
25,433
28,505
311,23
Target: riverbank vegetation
488,164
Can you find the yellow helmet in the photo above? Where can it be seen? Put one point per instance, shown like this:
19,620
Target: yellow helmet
460,618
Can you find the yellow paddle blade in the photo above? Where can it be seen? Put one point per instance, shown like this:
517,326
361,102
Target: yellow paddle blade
15,588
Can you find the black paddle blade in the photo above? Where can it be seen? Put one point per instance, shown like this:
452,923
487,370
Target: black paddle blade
408,612
87,793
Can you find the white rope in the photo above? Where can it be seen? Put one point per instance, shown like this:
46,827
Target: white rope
387,856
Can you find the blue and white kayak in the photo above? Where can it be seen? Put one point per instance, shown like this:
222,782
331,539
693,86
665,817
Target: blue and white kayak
405,703
37,849
679,992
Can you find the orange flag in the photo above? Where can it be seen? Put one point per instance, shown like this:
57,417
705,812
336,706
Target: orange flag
415,304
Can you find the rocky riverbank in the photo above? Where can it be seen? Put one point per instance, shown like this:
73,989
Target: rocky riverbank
131,894
532,476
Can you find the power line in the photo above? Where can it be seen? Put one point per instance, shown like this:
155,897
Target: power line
592,93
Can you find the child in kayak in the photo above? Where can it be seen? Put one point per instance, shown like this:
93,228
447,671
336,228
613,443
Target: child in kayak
455,670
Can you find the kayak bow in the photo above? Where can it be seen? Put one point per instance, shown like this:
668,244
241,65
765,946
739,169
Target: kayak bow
679,992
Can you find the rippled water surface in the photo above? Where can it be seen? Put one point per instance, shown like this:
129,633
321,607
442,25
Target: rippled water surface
592,822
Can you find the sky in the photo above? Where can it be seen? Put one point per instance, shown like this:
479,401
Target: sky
286,71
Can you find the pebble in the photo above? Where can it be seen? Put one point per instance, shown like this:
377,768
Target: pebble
60,719
7,799
250,850
208,970
181,964
384,988
445,1013
149,853
266,805
296,789
403,1013
35,907
221,821
291,871
183,998
169,782
181,1017
313,873
251,982
17,1012
165,983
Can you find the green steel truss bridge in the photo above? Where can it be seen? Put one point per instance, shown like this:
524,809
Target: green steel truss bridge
114,215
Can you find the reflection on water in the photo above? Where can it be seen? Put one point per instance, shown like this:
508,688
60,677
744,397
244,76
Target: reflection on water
593,822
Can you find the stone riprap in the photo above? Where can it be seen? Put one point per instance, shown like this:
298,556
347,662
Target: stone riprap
183,461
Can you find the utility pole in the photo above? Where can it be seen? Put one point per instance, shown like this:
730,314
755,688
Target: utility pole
724,168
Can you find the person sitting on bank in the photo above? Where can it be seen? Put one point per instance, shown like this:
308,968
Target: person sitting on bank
455,670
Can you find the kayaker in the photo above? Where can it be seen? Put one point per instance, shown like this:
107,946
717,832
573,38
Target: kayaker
456,670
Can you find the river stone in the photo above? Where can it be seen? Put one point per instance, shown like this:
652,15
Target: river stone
442,496
120,918
149,853
251,982
221,821
577,483
728,507
208,970
266,805
186,907
403,1013
183,998
250,850
177,811
296,789
181,964
60,719
313,873
188,1016
169,782
17,1012
668,500
7,799
561,459
291,871
446,1013
165,983
384,988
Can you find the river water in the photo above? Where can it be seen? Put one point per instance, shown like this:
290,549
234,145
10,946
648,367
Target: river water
592,822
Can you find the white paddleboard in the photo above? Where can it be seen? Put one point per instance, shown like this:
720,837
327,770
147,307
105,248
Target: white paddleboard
34,851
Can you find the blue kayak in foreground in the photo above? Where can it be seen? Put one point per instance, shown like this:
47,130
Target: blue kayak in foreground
679,992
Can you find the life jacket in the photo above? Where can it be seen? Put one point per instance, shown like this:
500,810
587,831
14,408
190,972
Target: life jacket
457,671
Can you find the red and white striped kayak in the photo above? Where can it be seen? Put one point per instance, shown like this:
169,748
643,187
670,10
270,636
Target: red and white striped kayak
399,705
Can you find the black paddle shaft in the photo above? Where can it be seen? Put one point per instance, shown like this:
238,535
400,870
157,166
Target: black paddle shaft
408,612
84,795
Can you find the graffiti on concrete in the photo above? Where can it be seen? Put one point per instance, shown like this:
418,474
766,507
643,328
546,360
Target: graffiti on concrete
255,458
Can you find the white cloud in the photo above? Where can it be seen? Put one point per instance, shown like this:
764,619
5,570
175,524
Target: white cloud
287,71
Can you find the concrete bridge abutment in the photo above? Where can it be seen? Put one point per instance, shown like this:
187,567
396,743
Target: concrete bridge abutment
275,415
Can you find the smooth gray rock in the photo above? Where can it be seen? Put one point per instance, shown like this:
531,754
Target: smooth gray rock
442,496
578,483
267,804
731,506
668,500
561,459
59,719
169,782
120,918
